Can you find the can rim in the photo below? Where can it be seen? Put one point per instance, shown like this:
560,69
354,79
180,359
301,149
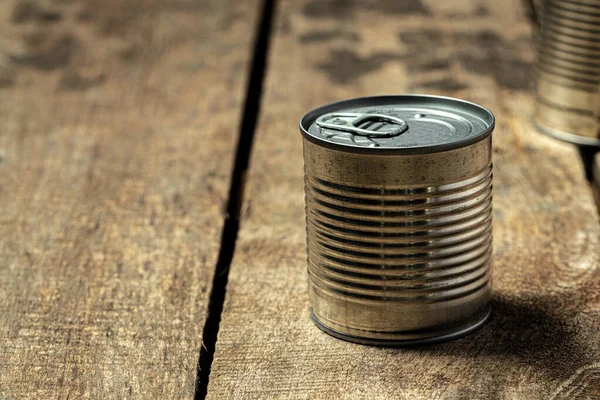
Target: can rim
583,141
309,118
457,334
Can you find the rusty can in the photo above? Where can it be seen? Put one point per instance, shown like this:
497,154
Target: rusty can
568,69
399,218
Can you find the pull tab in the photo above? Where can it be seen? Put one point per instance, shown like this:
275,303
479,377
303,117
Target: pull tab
349,122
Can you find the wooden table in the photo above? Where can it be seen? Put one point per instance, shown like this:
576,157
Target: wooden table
132,224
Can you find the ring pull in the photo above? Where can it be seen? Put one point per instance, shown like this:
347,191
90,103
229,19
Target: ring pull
349,122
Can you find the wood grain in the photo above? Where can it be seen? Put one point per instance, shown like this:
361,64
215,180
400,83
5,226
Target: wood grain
543,340
118,122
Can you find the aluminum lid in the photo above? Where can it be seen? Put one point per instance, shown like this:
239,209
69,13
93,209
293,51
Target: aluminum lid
403,124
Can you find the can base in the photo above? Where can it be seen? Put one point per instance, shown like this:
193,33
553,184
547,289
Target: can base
567,137
460,331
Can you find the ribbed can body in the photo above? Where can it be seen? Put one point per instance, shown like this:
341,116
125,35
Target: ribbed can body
399,246
568,85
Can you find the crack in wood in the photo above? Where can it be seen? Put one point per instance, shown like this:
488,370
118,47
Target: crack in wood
247,130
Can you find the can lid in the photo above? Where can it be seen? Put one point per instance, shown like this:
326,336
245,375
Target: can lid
403,124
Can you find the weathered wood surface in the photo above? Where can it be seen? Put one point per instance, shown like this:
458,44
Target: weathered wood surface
543,340
118,122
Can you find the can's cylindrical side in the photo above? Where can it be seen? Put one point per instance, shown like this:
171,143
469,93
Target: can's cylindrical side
399,246
568,84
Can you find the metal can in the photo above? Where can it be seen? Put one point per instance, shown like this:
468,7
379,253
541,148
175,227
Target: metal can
399,218
568,68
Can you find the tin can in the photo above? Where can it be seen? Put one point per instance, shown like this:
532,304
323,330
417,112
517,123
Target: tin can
399,218
568,68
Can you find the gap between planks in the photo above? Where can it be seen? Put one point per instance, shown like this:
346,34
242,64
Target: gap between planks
531,7
235,197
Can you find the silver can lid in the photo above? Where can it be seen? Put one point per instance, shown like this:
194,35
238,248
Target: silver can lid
403,124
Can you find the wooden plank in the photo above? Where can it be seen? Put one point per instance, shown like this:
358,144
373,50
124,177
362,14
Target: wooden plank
544,335
118,123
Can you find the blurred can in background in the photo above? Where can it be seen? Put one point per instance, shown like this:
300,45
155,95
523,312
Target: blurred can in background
399,218
568,84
